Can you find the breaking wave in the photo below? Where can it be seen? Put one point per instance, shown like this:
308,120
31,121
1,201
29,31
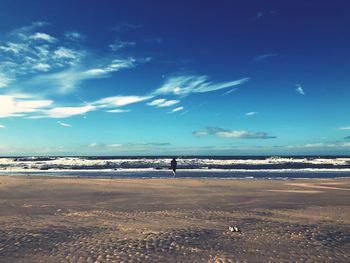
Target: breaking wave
215,164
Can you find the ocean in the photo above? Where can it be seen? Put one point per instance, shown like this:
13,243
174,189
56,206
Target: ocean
225,167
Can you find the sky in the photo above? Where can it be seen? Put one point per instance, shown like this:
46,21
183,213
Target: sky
224,77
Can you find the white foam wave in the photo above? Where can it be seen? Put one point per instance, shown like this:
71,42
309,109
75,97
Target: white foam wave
84,163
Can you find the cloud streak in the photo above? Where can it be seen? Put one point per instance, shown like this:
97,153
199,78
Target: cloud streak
265,57
185,85
12,106
64,124
344,128
160,103
118,44
300,89
119,101
252,113
178,109
238,134
65,112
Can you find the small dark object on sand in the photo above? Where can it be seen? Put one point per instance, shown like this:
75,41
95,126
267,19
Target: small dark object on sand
234,229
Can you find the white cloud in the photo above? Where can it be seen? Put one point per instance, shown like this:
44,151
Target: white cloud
12,106
118,64
118,111
63,124
219,132
43,36
63,52
121,44
259,14
319,145
64,112
114,66
42,67
4,81
344,128
62,82
2,126
163,103
74,36
15,48
252,113
120,100
156,102
67,81
22,54
115,145
185,85
178,109
126,27
300,89
93,145
229,91
95,72
265,57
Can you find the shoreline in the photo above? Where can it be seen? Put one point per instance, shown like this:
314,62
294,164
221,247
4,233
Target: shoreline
170,177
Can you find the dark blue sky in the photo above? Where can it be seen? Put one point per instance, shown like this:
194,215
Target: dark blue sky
174,77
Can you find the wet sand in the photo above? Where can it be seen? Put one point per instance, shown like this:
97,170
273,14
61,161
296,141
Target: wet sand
45,219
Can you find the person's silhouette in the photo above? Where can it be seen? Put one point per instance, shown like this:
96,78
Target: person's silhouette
173,165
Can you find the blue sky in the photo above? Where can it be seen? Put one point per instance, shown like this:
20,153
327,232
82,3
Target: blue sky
174,77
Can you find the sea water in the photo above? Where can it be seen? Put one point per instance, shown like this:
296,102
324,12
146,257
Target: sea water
248,167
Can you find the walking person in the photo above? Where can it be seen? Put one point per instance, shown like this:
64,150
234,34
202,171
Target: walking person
173,166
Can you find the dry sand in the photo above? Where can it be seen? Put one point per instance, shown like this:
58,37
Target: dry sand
45,219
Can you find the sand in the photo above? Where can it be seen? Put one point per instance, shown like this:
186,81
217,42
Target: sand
45,219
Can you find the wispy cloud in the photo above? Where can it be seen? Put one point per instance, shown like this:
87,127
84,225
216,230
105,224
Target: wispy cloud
44,37
115,145
118,101
126,27
134,146
4,81
319,145
300,89
42,66
223,133
12,106
229,91
74,36
163,103
265,57
252,113
185,85
63,124
39,62
118,44
259,14
118,111
178,109
344,128
69,80
65,112
2,126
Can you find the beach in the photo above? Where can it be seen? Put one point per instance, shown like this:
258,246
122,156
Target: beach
70,219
